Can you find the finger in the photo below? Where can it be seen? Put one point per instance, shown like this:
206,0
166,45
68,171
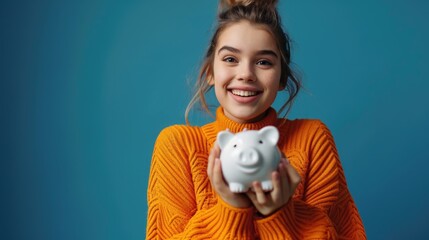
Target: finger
216,150
293,174
214,153
277,185
217,177
285,181
283,173
210,164
251,194
294,177
261,198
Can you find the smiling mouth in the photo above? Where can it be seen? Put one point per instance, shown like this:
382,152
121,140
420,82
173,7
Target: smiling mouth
243,93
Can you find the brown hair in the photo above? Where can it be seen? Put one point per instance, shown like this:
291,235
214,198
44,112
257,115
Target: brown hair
262,12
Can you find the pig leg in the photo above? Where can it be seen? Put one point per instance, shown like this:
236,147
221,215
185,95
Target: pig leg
267,185
237,187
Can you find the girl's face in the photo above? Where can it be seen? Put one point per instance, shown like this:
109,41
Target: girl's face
246,71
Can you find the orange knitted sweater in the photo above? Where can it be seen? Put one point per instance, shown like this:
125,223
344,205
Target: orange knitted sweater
183,205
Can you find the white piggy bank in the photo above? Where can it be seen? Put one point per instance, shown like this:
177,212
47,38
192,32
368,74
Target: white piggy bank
249,156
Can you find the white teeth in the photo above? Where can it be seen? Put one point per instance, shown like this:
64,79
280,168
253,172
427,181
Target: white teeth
242,93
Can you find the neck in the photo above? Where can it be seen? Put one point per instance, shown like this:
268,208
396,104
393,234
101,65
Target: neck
223,122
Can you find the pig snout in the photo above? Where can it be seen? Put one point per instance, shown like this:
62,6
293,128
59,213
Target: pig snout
249,158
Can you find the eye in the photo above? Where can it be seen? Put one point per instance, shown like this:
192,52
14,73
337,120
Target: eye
229,60
264,63
261,142
235,145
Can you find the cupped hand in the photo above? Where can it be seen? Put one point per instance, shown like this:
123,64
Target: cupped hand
214,171
285,181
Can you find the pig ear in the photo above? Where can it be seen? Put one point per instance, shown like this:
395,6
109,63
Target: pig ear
223,138
270,133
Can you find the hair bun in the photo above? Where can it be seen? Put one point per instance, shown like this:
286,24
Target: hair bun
226,4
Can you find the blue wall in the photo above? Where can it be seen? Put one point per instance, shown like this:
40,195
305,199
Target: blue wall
86,86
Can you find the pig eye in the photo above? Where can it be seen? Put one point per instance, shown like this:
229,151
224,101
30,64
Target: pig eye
260,141
235,145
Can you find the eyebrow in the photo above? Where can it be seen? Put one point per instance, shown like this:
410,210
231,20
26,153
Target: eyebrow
235,50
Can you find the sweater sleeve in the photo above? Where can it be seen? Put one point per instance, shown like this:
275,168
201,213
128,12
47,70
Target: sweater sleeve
326,209
172,208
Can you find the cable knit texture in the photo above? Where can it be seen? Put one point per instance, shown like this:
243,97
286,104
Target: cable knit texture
183,205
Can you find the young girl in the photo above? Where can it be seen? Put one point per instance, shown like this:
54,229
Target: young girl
247,64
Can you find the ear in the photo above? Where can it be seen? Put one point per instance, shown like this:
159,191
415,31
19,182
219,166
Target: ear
270,133
210,80
223,138
209,76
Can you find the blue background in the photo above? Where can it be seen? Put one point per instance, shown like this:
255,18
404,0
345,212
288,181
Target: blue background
86,86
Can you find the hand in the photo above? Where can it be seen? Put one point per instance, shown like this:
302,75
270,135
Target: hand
285,181
214,171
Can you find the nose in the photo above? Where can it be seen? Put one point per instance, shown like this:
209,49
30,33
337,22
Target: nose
249,157
246,72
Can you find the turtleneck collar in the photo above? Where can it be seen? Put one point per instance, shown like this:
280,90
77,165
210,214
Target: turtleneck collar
223,122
